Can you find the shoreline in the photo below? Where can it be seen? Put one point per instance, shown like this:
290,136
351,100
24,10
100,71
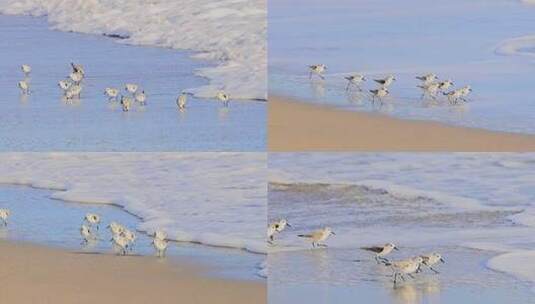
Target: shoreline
298,126
63,276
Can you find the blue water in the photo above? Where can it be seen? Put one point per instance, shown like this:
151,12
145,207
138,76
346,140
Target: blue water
455,39
38,219
43,122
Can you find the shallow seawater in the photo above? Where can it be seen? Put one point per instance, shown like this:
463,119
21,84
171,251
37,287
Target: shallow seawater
37,218
454,39
43,121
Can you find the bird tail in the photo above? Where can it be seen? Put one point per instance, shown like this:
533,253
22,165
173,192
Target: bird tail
304,235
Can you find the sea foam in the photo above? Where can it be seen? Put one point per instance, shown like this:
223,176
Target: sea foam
231,33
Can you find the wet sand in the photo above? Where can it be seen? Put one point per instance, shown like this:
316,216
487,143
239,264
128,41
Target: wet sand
36,274
298,126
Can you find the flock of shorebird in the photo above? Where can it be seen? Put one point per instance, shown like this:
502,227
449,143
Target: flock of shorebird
122,239
72,87
430,85
400,268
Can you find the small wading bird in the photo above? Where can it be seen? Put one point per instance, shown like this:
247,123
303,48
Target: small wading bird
276,227
386,82
405,267
116,228
430,89
93,219
130,237
4,214
126,102
464,92
318,236
381,251
87,234
74,91
112,93
431,259
317,69
223,97
182,100
445,85
77,68
131,88
140,97
64,85
120,244
355,80
76,77
160,243
26,69
24,87
379,94
453,96
427,79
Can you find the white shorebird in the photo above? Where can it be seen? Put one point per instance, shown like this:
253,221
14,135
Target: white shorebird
430,89
121,243
407,266
445,85
355,80
112,93
465,91
74,91
24,87
381,251
86,234
223,97
130,237
160,245
453,96
77,68
431,259
379,93
126,103
140,97
76,77
181,101
4,214
160,234
276,227
318,236
64,85
116,228
93,219
317,69
131,88
427,79
386,82
26,69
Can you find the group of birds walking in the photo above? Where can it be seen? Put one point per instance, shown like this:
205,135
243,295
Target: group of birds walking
122,239
72,87
430,85
400,268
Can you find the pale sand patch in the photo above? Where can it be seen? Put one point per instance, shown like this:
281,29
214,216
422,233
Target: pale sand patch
35,274
298,126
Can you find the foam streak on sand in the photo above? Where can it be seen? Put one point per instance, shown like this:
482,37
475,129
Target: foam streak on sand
231,32
216,199
518,46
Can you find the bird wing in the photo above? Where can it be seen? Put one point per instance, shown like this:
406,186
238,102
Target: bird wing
375,249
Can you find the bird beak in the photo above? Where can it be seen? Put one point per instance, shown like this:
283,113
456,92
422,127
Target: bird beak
288,224
396,248
333,233
442,260
364,78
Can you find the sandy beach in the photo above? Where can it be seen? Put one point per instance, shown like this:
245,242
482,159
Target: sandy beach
297,126
35,274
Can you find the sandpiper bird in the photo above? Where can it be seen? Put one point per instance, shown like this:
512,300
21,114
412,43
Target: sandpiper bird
121,243
224,97
160,245
181,101
130,237
276,227
427,79
430,89
126,103
407,266
131,88
445,85
64,85
24,87
465,91
4,214
77,68
140,97
76,77
160,234
317,69
86,234
381,251
453,96
355,80
92,219
112,93
385,82
26,69
74,91
318,236
380,93
431,259
116,228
